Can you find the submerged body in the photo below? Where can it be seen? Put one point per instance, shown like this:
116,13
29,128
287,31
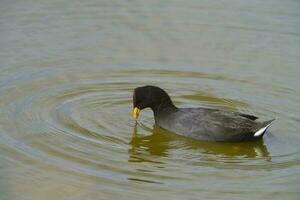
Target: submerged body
198,123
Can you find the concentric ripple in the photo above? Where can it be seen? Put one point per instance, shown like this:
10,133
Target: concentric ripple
75,126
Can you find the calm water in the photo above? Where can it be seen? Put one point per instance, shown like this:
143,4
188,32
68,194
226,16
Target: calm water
67,71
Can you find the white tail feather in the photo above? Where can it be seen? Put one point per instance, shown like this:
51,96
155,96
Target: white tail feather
261,131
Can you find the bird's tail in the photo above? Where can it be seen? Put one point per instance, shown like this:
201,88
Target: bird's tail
261,129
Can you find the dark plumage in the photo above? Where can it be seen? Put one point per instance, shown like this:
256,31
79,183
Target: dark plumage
198,123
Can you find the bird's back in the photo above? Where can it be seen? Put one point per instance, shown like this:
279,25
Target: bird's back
209,124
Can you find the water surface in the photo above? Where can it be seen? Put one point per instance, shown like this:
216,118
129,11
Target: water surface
67,72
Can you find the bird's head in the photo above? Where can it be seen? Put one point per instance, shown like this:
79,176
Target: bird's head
149,97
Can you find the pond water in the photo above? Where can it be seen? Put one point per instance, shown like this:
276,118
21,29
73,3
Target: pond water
67,73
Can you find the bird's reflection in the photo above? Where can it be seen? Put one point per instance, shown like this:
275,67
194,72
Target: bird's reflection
161,143
155,144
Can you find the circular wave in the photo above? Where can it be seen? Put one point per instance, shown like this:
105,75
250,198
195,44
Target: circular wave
79,122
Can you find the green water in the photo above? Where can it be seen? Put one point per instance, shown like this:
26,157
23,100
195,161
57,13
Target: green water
67,72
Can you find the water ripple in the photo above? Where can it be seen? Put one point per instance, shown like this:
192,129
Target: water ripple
79,123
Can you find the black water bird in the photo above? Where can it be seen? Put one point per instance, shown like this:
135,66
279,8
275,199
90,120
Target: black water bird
198,123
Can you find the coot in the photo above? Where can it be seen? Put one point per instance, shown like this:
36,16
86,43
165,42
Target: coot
198,123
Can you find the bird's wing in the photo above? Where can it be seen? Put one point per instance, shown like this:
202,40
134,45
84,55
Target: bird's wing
216,120
252,117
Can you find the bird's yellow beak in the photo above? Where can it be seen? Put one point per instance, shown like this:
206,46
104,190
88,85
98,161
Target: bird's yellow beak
135,113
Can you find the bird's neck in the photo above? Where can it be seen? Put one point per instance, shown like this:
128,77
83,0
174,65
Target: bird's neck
165,106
